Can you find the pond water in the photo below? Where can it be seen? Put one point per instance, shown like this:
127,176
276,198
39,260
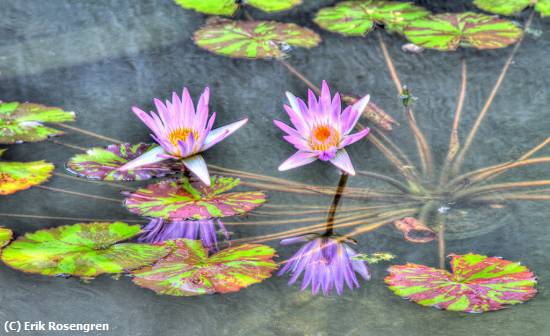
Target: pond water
101,58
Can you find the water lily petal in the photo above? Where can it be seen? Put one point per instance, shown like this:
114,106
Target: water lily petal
343,161
197,166
298,159
153,156
221,133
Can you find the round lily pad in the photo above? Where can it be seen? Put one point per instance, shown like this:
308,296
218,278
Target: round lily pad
189,271
447,32
477,284
181,199
16,176
85,250
357,18
229,7
254,39
22,122
510,7
5,236
102,163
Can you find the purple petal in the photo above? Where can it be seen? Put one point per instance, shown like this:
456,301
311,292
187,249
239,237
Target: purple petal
221,133
152,156
343,161
357,110
298,159
197,166
352,138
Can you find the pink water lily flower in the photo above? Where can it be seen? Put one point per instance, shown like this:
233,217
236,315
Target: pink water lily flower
182,133
322,129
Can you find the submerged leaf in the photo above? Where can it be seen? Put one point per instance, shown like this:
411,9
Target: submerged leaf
374,258
446,32
181,199
85,250
477,284
189,271
16,176
22,122
510,7
414,231
103,163
5,236
254,39
357,18
229,7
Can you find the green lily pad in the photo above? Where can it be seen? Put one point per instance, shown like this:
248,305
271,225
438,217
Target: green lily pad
510,7
477,284
5,236
22,122
16,176
85,250
181,199
447,32
254,39
189,271
357,18
229,7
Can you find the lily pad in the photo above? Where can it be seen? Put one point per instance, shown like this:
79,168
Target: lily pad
357,18
5,236
22,122
229,7
447,32
17,176
510,7
477,284
189,271
85,250
181,199
102,163
254,39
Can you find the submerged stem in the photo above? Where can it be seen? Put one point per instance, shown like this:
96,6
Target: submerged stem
335,201
14,215
89,133
79,194
389,62
441,241
300,76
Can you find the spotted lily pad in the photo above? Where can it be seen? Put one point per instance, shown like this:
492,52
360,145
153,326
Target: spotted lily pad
5,236
254,39
17,176
477,284
85,250
229,7
357,18
22,122
181,199
447,32
189,271
510,7
102,163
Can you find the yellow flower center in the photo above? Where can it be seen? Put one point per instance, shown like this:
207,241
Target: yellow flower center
181,134
324,137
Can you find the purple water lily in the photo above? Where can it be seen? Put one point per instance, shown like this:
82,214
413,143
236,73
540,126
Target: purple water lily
322,129
182,133
159,230
326,263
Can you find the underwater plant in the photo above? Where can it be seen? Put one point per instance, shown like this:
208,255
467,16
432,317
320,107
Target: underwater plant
510,7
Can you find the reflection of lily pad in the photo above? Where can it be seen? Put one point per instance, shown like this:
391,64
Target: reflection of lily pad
357,18
86,250
510,7
5,236
477,284
22,122
449,31
181,199
16,176
188,270
102,163
229,7
254,39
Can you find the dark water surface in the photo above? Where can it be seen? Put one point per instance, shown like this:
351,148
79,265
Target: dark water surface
99,58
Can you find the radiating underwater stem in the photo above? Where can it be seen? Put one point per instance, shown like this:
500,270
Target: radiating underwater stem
335,201
441,241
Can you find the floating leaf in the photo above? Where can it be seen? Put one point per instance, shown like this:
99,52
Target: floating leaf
510,7
478,284
181,199
254,39
449,31
102,163
22,122
543,7
229,7
5,236
357,18
188,270
16,176
86,250
273,5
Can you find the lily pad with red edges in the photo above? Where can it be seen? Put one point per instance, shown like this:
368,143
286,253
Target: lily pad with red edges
229,7
102,163
189,271
254,39
510,7
181,199
357,18
23,122
446,32
17,176
477,284
5,236
85,250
